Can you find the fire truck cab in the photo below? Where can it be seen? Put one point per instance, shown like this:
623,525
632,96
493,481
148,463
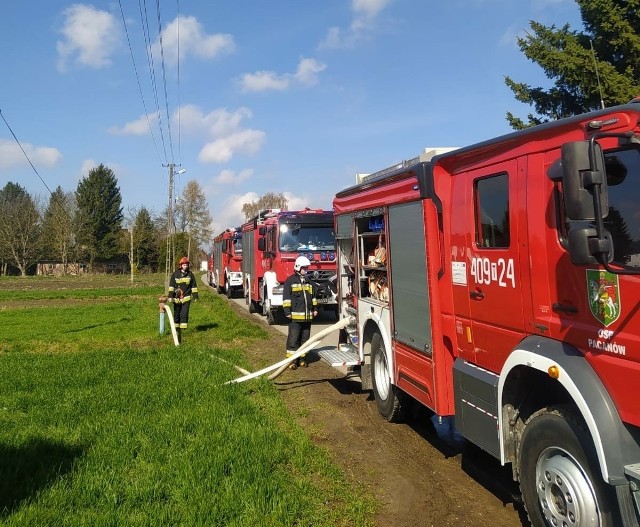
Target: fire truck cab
225,268
272,241
500,283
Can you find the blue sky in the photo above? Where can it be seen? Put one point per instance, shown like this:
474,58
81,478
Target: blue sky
291,96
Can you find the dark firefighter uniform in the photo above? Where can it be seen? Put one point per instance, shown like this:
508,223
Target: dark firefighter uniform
182,290
299,302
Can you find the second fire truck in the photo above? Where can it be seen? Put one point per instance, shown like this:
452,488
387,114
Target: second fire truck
272,241
225,263
500,283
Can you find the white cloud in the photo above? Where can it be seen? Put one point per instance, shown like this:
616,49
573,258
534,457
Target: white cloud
365,13
138,127
229,177
306,74
11,155
89,37
229,214
221,150
296,202
511,34
263,81
87,166
189,33
226,136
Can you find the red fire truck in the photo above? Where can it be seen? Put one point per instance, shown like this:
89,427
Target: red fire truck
500,283
225,263
272,240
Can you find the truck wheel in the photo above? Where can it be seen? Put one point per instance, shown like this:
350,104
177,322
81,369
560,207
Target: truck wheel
252,306
228,291
388,397
560,478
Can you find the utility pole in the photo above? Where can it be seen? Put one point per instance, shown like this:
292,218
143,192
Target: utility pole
171,230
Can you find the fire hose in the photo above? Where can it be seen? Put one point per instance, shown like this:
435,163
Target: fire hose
282,365
165,307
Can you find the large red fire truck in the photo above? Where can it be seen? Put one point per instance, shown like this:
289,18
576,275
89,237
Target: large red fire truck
500,283
225,263
272,240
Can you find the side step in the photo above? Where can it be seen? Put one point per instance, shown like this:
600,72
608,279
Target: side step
343,356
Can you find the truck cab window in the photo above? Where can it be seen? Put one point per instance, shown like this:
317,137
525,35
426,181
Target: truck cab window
623,220
492,212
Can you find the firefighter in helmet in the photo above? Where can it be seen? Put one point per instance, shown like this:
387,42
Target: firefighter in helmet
300,306
182,290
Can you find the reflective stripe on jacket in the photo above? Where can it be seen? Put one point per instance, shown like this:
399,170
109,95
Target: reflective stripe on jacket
182,287
299,298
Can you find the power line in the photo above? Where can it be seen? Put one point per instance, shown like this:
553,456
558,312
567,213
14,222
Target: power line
33,167
179,102
135,69
164,79
152,71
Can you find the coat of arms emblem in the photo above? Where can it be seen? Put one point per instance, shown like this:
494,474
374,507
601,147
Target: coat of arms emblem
604,296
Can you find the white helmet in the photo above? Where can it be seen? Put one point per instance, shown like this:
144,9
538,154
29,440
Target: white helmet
301,261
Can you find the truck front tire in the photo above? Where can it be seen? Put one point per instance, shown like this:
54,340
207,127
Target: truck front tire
389,398
559,477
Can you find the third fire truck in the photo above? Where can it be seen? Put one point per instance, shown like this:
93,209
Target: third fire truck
500,283
272,241
225,264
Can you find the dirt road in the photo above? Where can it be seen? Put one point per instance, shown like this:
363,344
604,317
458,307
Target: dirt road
421,471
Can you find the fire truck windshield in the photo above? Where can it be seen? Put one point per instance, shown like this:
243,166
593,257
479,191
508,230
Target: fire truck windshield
297,237
237,244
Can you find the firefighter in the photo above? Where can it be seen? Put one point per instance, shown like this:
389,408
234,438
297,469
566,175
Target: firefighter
182,290
300,306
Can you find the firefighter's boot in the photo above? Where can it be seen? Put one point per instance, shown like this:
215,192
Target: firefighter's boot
294,364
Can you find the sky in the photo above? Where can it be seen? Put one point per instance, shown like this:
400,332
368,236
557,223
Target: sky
253,96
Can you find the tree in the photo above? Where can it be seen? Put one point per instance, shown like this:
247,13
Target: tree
20,227
58,236
267,201
145,241
581,72
99,214
194,217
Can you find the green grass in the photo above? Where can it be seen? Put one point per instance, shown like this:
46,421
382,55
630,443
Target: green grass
105,422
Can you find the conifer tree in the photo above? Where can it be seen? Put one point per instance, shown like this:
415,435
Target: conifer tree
590,68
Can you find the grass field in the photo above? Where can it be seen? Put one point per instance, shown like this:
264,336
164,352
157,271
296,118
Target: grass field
105,422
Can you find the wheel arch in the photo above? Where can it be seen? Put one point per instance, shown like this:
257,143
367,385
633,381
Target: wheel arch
577,384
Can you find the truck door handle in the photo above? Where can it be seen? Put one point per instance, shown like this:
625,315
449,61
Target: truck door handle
476,295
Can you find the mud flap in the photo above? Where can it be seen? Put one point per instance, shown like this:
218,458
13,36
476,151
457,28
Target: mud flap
365,377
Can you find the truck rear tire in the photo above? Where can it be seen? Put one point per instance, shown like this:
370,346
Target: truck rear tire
228,290
389,398
560,478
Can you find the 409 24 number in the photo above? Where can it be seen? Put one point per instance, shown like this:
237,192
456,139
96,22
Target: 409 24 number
486,272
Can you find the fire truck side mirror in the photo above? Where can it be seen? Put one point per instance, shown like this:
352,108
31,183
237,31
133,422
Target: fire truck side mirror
262,231
262,246
584,179
584,244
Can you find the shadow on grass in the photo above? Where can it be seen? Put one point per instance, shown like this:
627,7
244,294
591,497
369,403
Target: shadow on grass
206,327
27,470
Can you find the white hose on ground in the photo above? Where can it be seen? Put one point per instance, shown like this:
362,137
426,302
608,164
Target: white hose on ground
172,324
312,342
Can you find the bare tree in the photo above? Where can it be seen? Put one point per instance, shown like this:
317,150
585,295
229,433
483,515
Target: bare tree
57,228
20,227
269,200
193,216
